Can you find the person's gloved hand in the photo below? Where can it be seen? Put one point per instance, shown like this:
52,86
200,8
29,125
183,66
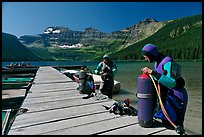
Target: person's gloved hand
146,70
101,72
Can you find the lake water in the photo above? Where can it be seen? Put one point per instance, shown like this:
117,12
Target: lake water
128,72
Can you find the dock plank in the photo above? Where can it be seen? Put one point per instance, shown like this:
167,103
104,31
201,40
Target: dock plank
58,103
56,86
59,113
136,129
64,123
52,95
121,125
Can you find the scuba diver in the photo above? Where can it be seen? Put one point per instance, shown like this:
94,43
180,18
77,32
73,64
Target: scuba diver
173,95
107,70
85,81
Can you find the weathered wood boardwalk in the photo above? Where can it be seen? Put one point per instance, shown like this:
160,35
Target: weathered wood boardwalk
56,107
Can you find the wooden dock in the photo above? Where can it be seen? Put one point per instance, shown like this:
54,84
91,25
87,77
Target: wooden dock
56,107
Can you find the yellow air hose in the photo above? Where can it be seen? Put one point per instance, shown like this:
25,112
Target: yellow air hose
178,129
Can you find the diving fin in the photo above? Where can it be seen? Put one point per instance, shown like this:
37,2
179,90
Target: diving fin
106,107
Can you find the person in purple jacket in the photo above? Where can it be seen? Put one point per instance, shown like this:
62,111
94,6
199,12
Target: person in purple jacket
173,94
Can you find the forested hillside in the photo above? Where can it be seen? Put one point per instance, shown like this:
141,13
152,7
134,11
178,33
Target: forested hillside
180,38
13,50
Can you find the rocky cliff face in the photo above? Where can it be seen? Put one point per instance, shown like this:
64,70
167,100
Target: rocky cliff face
59,36
142,30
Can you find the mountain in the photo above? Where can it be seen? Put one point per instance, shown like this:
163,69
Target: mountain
180,38
56,36
60,43
142,30
14,50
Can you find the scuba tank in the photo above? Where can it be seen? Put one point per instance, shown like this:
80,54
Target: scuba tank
82,79
145,101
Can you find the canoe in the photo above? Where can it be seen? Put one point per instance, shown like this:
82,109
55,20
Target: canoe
97,79
8,66
5,119
24,85
19,75
5,68
14,85
19,70
16,80
13,98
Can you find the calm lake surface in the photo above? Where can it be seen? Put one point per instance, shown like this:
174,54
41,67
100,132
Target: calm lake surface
128,72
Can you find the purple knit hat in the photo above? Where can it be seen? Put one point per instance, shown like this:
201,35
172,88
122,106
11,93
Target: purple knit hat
150,49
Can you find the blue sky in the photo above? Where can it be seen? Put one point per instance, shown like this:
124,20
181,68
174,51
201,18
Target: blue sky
32,18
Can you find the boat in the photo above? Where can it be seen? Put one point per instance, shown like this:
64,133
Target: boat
16,80
14,70
5,119
19,75
26,66
70,73
8,117
16,85
5,68
13,98
97,79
